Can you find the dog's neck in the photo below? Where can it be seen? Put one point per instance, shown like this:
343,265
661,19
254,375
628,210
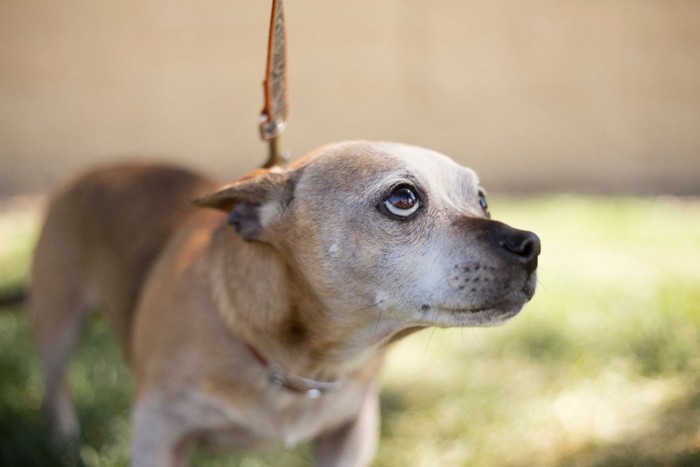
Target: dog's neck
311,388
273,309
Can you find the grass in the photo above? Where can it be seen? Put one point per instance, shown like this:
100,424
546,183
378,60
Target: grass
601,369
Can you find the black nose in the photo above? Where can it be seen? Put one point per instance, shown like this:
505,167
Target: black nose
524,245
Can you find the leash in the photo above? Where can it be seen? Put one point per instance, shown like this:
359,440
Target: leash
273,118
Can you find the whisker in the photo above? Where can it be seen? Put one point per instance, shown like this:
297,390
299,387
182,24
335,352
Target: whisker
441,342
367,307
376,325
379,318
427,344
318,260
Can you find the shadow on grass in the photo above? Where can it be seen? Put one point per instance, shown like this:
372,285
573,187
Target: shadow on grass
24,437
100,386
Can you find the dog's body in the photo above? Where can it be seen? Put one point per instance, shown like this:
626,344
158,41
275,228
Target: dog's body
271,330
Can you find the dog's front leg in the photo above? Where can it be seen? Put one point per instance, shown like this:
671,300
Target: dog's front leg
354,443
157,438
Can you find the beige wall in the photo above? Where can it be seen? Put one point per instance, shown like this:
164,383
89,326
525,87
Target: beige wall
540,94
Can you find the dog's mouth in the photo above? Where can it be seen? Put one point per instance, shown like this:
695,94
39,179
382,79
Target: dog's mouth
487,313
530,284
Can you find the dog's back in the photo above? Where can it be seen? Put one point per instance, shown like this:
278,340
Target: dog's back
102,233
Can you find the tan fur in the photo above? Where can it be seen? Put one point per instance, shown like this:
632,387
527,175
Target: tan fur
317,277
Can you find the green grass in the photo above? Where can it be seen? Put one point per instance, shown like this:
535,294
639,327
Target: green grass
602,368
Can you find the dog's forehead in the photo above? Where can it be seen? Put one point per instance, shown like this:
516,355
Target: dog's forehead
365,165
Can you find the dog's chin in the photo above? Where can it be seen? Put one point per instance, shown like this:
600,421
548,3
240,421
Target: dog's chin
492,316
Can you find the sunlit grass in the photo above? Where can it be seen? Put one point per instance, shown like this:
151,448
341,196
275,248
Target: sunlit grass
18,230
601,368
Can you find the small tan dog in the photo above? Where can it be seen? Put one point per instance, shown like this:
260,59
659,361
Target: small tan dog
264,321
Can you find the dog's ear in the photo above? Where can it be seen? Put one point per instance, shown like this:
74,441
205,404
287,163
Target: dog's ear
254,203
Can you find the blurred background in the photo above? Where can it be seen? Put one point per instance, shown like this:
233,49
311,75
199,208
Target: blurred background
581,117
539,95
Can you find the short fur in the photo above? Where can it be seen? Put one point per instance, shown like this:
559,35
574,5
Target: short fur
302,271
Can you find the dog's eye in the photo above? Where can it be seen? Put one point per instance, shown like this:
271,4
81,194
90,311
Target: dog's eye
402,202
484,205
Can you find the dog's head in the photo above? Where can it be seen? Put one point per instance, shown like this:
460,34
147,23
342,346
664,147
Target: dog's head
390,230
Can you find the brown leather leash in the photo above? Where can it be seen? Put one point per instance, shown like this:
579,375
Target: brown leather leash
273,118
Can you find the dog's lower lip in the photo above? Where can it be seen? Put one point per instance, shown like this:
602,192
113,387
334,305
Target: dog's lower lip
504,306
464,310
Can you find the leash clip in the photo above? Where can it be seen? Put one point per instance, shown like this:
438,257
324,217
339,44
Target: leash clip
270,128
274,113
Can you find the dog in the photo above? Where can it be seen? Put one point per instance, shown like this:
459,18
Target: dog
259,315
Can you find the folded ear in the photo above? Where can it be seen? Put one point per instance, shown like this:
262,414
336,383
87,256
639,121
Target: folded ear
254,203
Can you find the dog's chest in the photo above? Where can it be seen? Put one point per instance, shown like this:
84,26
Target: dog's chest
272,417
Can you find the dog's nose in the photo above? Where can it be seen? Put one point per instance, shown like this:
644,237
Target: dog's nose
517,245
524,245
